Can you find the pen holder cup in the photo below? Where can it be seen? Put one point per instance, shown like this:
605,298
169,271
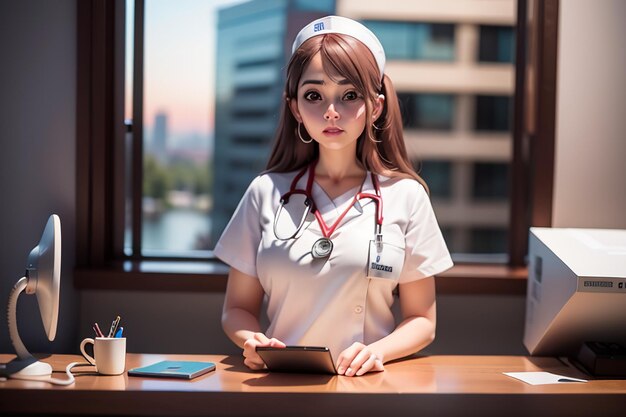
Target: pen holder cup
109,354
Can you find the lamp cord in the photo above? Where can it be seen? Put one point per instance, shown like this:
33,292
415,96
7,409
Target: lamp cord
55,381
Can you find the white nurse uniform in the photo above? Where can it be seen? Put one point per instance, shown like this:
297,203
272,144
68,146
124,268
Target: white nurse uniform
331,302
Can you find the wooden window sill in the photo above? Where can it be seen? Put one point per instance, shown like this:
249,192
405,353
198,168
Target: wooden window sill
211,276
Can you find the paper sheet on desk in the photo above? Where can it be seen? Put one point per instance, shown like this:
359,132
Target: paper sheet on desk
542,378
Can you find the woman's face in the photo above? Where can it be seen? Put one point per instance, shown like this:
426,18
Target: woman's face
332,111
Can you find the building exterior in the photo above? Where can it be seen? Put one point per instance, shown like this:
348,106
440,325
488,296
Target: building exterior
452,65
159,137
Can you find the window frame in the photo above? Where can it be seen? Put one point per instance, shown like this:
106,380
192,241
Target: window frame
100,189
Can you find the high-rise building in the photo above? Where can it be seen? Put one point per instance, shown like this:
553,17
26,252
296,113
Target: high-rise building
159,137
452,65
253,46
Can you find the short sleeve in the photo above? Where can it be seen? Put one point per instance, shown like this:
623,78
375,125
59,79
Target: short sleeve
426,250
240,240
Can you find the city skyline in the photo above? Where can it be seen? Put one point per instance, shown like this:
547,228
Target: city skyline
160,141
178,81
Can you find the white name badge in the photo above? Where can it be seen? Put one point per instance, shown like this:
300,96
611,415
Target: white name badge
385,261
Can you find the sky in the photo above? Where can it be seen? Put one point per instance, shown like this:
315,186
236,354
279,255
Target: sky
179,70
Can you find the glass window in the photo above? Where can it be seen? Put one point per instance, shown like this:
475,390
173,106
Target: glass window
178,108
493,113
326,6
415,41
438,177
427,111
249,76
491,181
488,240
213,81
497,44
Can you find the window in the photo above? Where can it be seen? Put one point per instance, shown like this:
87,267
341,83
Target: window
491,181
438,176
415,40
497,44
493,113
487,240
445,128
176,122
427,111
205,124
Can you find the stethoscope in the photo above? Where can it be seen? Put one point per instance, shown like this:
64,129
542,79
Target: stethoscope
324,246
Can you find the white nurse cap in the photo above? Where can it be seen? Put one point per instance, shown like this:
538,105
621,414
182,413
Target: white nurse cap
344,26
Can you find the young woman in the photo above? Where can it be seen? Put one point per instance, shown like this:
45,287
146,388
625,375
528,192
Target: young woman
311,234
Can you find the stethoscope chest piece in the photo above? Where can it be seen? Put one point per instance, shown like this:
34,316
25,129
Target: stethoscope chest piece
322,248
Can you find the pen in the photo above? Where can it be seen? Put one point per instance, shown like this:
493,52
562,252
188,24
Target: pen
119,332
114,325
96,329
117,324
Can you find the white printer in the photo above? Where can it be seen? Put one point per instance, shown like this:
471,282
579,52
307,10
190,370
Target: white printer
576,291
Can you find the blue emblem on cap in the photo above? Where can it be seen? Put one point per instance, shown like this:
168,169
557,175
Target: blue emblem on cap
378,259
318,26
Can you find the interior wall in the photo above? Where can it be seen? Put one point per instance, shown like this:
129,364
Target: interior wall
37,157
479,324
159,322
591,124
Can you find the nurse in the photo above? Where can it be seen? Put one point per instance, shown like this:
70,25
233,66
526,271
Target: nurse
325,261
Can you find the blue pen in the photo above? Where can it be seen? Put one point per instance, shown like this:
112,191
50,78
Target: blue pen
119,332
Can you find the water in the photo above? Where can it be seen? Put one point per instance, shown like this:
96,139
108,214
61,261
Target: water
176,230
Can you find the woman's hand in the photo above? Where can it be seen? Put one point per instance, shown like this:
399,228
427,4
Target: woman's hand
359,359
252,359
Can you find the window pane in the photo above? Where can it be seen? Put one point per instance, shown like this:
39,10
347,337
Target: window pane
128,120
488,241
457,134
427,111
178,79
250,45
251,41
497,44
415,41
326,6
128,65
438,176
493,113
491,181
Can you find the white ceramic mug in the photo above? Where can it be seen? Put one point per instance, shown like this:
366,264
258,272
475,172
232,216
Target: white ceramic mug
109,354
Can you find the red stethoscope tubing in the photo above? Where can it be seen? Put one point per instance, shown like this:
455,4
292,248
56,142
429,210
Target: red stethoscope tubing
326,230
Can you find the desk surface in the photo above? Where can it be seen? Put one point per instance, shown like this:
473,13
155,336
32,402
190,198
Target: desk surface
442,385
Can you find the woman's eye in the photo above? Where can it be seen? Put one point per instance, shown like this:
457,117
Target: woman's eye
350,95
312,96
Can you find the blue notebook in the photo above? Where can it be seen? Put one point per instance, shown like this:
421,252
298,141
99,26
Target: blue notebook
174,369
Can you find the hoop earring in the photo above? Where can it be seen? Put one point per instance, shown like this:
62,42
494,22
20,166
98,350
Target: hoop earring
300,135
376,127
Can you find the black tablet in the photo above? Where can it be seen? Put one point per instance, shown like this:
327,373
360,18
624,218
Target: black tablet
299,359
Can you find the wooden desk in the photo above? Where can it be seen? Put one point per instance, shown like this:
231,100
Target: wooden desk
424,386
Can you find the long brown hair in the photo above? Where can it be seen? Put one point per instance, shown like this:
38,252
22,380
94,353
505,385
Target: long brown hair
380,148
